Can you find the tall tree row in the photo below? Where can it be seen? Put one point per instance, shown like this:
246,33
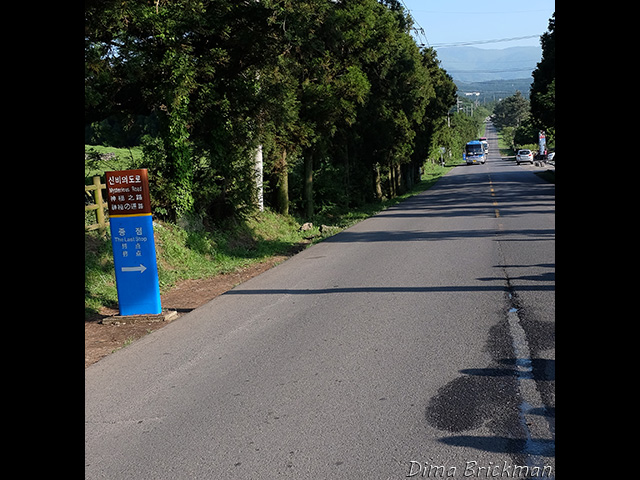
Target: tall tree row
344,104
543,88
521,120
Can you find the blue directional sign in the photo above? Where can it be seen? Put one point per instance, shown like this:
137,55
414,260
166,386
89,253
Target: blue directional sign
134,251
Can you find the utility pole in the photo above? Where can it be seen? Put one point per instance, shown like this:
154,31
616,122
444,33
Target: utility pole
258,170
258,166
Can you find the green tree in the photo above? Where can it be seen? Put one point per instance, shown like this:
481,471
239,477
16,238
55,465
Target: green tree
543,88
511,111
338,93
435,131
403,104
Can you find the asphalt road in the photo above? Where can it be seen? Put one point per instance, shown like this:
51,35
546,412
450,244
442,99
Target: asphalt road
418,343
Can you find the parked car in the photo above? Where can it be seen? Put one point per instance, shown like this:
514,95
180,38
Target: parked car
551,156
524,156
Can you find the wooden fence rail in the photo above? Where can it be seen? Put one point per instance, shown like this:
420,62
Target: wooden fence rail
98,206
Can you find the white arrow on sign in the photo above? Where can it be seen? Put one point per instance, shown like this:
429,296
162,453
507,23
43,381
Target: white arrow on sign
140,269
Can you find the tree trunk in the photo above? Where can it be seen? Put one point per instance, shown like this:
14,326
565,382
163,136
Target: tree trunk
282,183
392,181
347,176
308,184
378,182
400,188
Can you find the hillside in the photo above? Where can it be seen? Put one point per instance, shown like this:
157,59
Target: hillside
493,90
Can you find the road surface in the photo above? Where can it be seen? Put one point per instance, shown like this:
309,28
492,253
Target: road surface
418,343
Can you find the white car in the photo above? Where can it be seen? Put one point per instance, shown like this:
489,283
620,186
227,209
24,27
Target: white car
524,156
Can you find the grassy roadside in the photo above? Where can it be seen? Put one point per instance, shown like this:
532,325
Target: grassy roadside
120,159
503,146
195,252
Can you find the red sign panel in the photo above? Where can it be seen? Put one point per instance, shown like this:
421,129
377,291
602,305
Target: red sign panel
128,192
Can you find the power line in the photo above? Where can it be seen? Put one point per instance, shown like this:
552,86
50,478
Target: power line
512,70
479,13
419,31
480,42
489,62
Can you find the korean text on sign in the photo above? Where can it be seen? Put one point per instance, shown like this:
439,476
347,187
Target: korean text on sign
128,192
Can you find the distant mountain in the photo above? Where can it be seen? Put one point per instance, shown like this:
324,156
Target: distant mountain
493,90
470,64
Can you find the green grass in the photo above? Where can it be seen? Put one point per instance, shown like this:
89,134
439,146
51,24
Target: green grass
503,146
194,252
184,254
124,158
431,174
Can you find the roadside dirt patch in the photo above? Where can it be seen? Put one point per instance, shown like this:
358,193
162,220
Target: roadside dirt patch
101,340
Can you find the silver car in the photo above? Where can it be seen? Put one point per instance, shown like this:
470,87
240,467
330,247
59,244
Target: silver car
524,156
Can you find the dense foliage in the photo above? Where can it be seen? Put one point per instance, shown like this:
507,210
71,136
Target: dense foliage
521,120
346,107
543,88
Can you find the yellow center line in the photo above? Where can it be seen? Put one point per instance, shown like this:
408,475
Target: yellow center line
493,194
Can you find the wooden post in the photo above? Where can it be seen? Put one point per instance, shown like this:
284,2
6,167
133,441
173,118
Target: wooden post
98,198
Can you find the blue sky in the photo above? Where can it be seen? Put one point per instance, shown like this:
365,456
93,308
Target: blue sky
472,21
